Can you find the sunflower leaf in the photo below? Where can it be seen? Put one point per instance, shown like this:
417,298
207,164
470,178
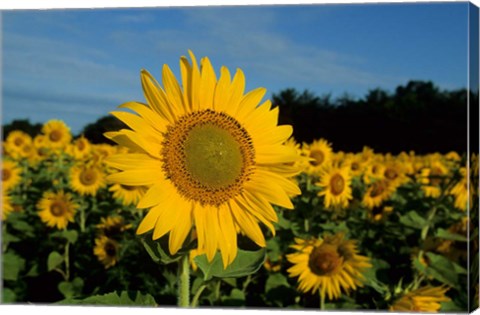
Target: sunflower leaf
246,262
124,298
54,260
12,265
442,233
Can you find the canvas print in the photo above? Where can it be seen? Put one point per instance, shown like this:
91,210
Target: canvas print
294,157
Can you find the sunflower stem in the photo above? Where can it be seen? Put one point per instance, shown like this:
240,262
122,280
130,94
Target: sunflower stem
322,302
184,282
197,295
67,262
82,219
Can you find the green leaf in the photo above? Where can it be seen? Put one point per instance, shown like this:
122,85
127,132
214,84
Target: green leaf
275,280
236,298
246,262
54,260
12,265
8,296
33,272
113,298
66,288
442,233
413,219
22,226
159,252
441,269
71,236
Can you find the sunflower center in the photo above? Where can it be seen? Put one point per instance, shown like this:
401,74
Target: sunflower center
88,177
391,173
110,249
354,166
57,209
81,145
324,260
317,156
18,141
6,174
55,135
208,156
377,189
337,184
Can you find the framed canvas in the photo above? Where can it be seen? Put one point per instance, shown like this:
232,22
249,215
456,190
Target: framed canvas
291,156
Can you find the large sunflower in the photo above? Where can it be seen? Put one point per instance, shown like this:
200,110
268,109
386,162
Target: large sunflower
87,180
57,209
336,184
57,134
327,266
212,157
10,174
424,299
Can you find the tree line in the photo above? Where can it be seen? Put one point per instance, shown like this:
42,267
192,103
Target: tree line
417,116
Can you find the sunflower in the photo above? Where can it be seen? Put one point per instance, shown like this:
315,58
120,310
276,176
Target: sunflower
327,266
112,226
6,205
212,158
336,184
15,141
356,164
424,299
57,134
87,180
461,192
319,153
394,173
377,192
375,170
106,250
128,195
57,209
10,174
432,177
80,148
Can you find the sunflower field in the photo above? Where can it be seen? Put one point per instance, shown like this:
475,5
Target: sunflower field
206,202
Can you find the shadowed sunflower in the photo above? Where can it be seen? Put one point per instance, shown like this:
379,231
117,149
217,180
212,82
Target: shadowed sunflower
10,174
87,180
211,156
57,134
6,205
57,209
327,266
113,226
377,193
106,250
336,184
128,195
424,299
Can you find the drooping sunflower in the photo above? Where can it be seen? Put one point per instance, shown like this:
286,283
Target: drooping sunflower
11,174
57,209
329,266
113,226
319,153
424,299
211,156
336,184
57,134
377,193
87,180
128,195
106,250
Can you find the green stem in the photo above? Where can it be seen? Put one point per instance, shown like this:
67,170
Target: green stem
197,295
322,302
67,262
82,218
184,282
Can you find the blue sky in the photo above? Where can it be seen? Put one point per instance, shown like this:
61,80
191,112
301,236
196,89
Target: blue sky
78,65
